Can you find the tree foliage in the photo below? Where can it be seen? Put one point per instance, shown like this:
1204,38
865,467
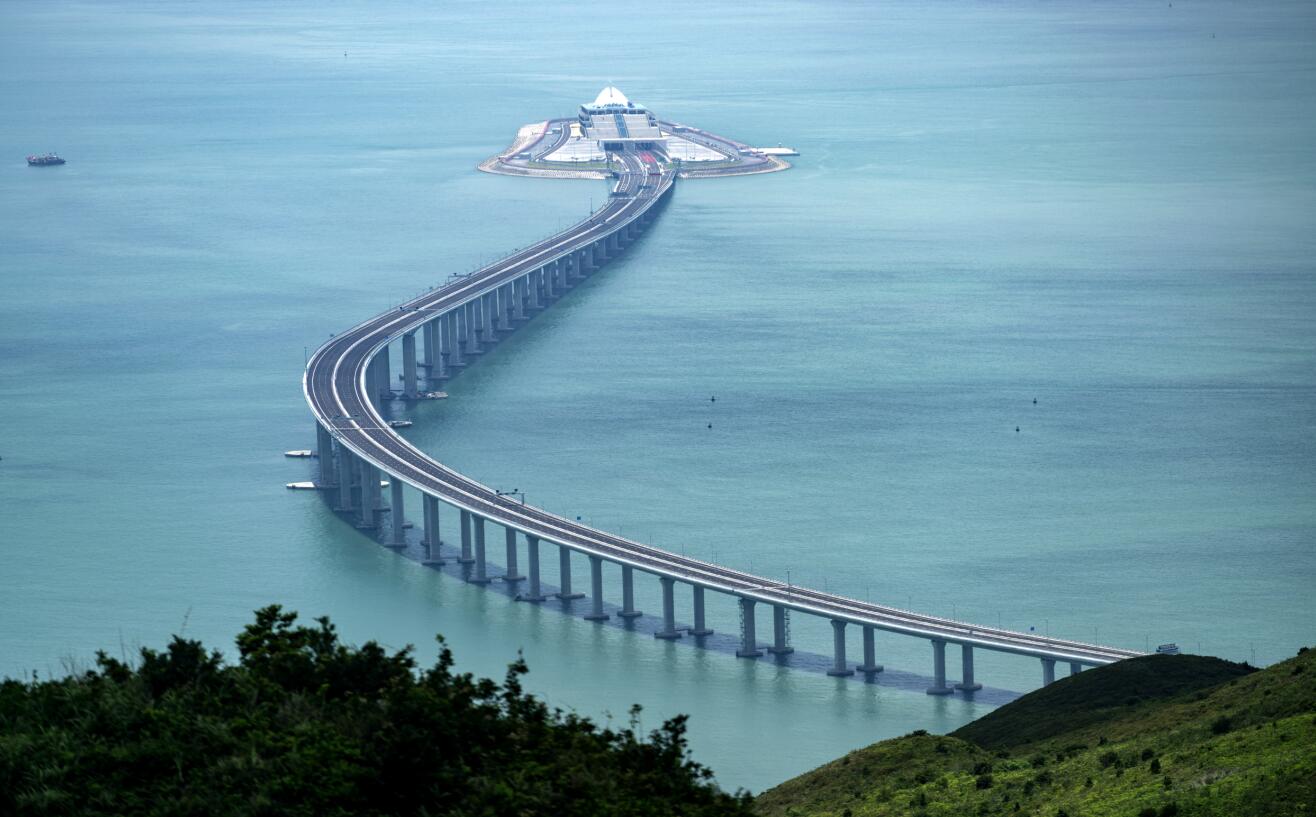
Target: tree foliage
305,725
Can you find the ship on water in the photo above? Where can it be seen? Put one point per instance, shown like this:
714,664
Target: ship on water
44,160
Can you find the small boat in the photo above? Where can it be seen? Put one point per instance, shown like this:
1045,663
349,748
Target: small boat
1167,649
299,454
302,486
399,424
435,395
44,160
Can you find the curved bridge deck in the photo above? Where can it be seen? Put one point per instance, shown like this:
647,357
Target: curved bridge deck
347,378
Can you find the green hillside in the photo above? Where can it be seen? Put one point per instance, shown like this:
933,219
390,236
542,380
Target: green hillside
1149,737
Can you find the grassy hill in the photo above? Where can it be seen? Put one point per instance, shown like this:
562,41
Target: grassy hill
1149,737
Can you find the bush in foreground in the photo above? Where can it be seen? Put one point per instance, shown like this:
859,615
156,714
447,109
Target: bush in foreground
303,724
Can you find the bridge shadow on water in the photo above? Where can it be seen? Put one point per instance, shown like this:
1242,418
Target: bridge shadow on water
726,643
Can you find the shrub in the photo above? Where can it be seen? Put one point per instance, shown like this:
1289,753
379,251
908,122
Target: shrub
1148,754
1155,767
1221,725
1108,759
982,767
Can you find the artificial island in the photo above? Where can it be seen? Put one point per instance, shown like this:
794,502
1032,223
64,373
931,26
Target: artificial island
586,146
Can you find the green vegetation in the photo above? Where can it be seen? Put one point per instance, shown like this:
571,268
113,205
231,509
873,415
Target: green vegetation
1156,736
305,725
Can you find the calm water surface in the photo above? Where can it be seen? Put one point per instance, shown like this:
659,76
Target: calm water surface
1106,209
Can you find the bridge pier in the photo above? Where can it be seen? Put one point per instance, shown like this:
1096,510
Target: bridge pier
966,670
939,669
343,465
669,630
780,636
370,495
840,667
1075,668
511,576
596,590
1048,671
432,538
535,284
749,647
429,347
434,337
519,299
564,573
409,366
385,375
700,627
324,452
480,574
395,512
470,344
628,593
451,341
466,557
533,593
870,664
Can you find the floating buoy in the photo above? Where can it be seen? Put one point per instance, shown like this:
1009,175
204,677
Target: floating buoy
1016,429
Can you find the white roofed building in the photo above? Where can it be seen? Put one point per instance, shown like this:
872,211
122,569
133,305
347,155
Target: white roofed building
617,123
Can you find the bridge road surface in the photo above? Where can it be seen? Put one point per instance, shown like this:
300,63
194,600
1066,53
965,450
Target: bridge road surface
337,387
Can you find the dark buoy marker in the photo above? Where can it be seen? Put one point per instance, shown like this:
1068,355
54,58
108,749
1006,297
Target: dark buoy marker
1016,429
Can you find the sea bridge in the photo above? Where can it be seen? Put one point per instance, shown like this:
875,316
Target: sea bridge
348,379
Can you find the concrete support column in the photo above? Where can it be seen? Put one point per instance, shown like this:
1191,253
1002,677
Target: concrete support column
429,347
452,347
519,298
535,284
596,590
669,609
701,627
1075,668
564,571
1048,671
938,669
466,538
470,342
324,452
839,666
343,465
432,539
749,647
487,333
511,576
533,593
369,495
780,639
409,366
966,670
438,366
481,573
385,373
628,593
870,653
395,512
508,302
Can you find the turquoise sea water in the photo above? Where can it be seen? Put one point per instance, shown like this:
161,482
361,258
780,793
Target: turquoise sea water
1105,208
